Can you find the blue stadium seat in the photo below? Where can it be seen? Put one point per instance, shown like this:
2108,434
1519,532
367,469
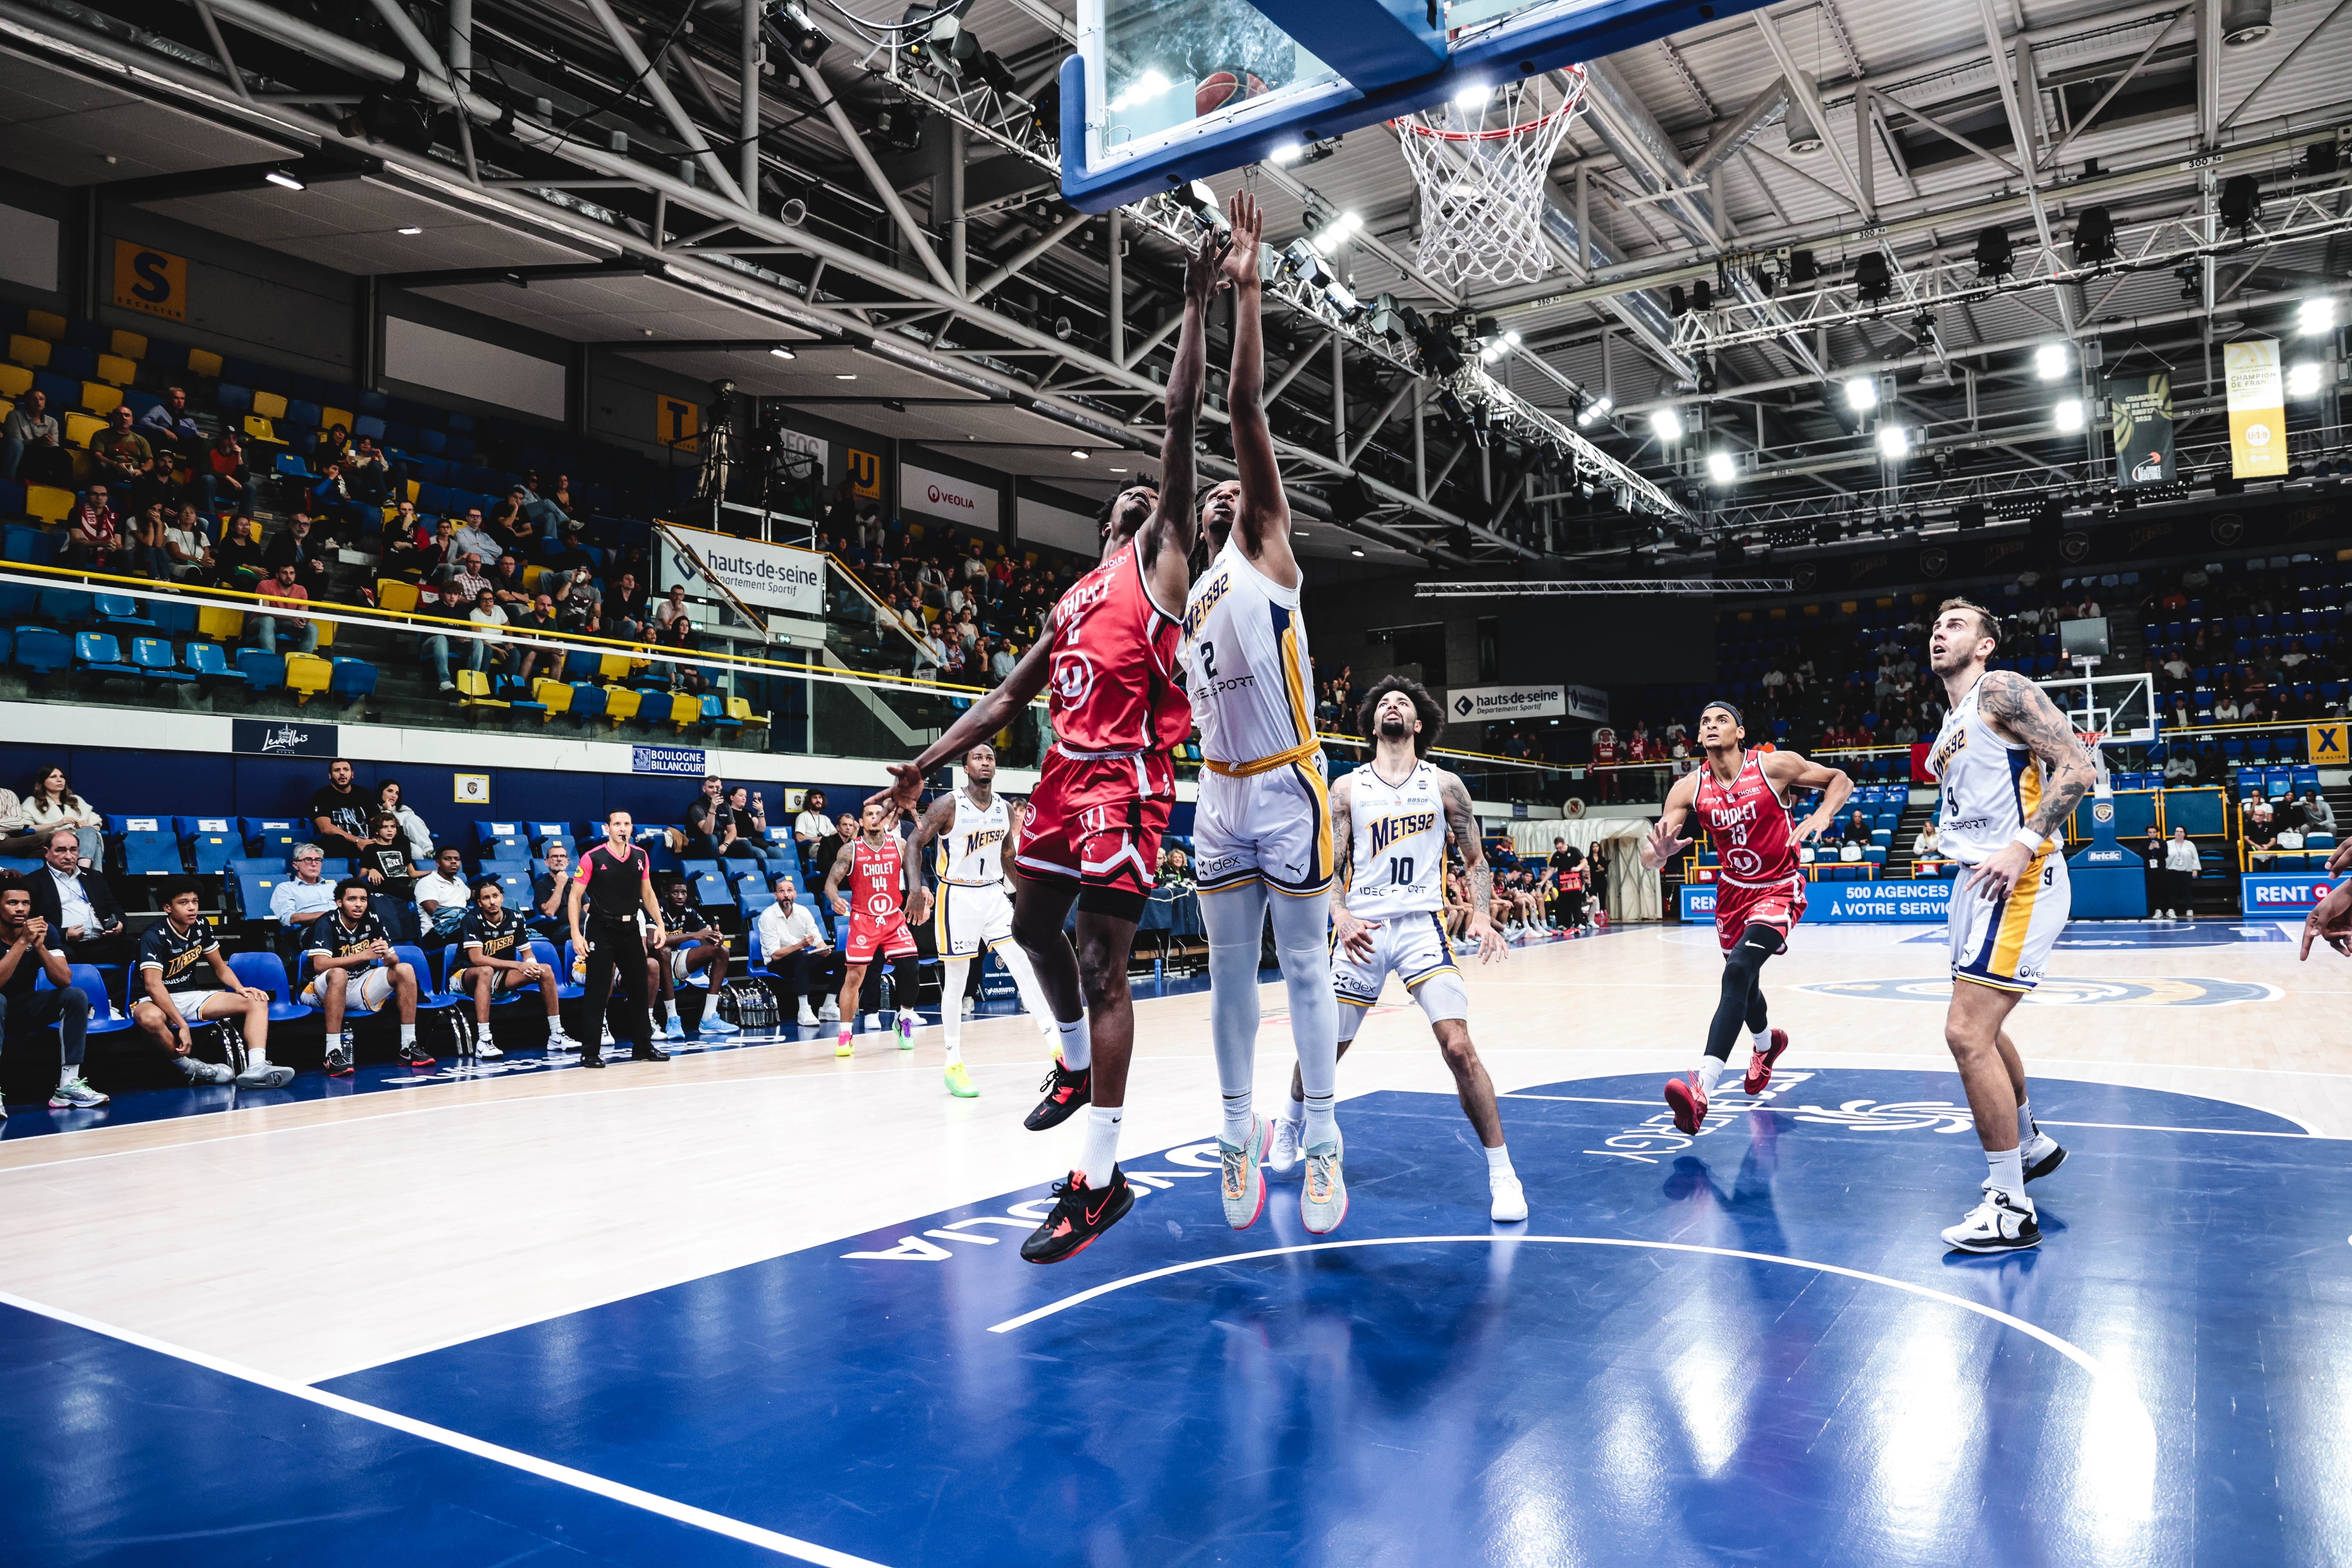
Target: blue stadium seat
262,671
103,1017
251,891
501,841
265,972
153,657
67,606
209,665
589,699
370,425
235,401
711,889
119,610
42,650
275,835
538,833
714,712
213,842
353,677
151,853
98,654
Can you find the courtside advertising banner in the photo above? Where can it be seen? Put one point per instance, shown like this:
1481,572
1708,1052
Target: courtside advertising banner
764,576
1887,903
2282,896
968,501
1477,704
2142,428
2257,409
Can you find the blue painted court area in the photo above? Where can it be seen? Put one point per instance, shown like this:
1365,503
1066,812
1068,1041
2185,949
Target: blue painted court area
1747,1345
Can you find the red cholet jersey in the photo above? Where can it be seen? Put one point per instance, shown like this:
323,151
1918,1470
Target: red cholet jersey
878,885
1113,688
1748,824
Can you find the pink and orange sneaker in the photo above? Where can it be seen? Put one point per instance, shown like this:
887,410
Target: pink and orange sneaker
1688,1103
1759,1065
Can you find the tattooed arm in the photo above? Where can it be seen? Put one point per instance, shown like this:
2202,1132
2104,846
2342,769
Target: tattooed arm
2020,711
1463,825
1349,933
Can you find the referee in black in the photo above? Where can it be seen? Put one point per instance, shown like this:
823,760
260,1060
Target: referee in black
616,882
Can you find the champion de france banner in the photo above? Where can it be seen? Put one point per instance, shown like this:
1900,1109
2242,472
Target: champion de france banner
2257,409
2142,428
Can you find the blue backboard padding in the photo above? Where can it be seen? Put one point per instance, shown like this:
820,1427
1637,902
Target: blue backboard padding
1547,40
1371,43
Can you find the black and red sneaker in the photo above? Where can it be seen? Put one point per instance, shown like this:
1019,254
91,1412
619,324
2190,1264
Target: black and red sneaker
1064,1092
1759,1065
1688,1103
1081,1213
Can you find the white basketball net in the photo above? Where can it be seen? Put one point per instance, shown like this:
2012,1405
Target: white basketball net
1480,164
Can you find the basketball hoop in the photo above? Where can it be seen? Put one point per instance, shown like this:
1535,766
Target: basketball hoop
1480,162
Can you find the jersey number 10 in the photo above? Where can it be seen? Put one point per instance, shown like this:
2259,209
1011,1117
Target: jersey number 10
1401,870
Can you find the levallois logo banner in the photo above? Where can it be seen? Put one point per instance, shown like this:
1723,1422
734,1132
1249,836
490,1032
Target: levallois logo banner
2257,408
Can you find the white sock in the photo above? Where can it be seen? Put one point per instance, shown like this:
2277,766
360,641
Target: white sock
1100,1153
1706,1072
2026,1132
2007,1170
408,1034
669,1011
1299,929
1077,1045
68,1073
256,1057
1760,1040
958,973
1233,920
1293,1112
1499,1162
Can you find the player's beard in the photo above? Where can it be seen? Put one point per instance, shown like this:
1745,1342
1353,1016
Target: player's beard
1395,729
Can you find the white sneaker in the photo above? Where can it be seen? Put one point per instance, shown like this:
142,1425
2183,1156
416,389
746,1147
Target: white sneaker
75,1095
830,1013
1511,1205
1242,1176
808,1014
971,1005
1282,1155
1323,1197
2002,1223
2041,1155
486,1049
560,1043
873,1023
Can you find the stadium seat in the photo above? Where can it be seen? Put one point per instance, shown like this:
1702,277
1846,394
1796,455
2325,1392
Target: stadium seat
126,345
151,852
474,689
221,625
397,597
103,1017
587,701
235,401
267,972
31,353
740,710
209,665
67,606
715,714
551,697
205,364
252,891
621,704
307,675
49,502
353,677
153,658
684,712
98,654
275,835
42,650
119,610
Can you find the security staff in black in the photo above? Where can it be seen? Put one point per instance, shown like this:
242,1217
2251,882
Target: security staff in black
616,884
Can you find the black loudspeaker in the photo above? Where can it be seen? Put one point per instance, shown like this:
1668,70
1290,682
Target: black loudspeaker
1352,498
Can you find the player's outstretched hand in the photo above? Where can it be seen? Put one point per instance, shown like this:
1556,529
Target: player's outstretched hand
1491,945
1241,261
1354,936
1663,845
2330,922
2341,858
905,787
1203,268
1997,878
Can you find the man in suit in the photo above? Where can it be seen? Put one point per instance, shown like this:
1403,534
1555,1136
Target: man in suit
79,905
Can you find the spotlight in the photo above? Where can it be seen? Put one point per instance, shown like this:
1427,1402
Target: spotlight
803,39
2316,316
412,229
1721,468
2068,414
1702,296
1707,379
899,125
1342,300
1288,152
1861,393
1894,441
1473,97
1872,283
2303,380
1678,302
780,352
2242,201
2246,22
1995,259
1802,269
2050,361
2094,238
1300,261
1804,136
1666,425
1336,233
1080,453
1388,320
280,177
1201,197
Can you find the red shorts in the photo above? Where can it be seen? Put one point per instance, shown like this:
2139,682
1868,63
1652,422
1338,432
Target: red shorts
1098,820
869,935
1779,906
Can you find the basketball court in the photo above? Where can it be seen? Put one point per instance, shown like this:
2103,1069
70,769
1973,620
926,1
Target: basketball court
755,1303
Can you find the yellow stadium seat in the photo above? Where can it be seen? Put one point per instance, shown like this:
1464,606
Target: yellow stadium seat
474,691
219,625
100,398
15,380
270,405
395,596
621,703
685,711
326,634
6,409
127,345
48,503
330,417
80,427
414,486
307,675
28,351
204,363
46,325
554,694
531,578
257,428
740,710
116,370
616,666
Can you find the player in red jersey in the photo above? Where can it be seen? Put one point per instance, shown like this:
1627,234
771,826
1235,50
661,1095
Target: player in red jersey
882,878
1740,799
1091,836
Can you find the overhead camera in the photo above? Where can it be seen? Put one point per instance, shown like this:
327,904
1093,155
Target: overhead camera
803,39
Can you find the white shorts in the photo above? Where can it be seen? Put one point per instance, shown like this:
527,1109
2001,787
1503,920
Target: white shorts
1413,948
364,991
2006,943
971,917
1274,826
188,1004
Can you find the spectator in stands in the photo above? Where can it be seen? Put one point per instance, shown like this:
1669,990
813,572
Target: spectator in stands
413,830
170,423
299,901
680,634
433,647
2313,813
569,553
333,443
844,831
293,546
628,608
467,584
236,560
124,459
2181,767
506,583
800,962
2181,865
551,889
548,512
405,545
34,449
486,614
221,476
1929,844
747,810
282,599
147,553
79,905
514,531
442,895
341,516
535,615
93,535
2259,826
708,825
391,876
579,603
52,806
339,814
30,947
672,609
2225,711
476,540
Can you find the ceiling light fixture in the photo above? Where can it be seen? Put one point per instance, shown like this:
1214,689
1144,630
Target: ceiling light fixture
1357,551
412,229
844,376
2050,361
2068,414
1288,152
280,177
1336,232
1473,97
1894,441
782,352
1667,425
1721,467
2316,315
1080,453
1861,393
2303,380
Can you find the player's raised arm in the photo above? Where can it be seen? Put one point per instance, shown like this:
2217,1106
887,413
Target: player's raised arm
2020,711
981,720
1263,521
1665,840
1789,770
1166,544
1462,824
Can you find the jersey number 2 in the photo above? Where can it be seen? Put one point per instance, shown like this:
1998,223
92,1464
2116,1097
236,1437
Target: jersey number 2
1209,660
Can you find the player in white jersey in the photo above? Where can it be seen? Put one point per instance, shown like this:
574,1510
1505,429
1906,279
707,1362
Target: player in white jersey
2009,770
1263,819
973,909
1394,816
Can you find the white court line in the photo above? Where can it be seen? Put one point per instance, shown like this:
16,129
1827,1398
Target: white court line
547,1470
1799,1109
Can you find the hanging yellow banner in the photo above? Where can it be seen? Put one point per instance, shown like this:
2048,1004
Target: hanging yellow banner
2257,409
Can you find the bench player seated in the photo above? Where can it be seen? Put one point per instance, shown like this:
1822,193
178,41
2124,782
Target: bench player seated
494,957
187,982
352,966
686,945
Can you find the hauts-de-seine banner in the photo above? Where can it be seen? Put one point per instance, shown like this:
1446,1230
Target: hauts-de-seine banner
2257,408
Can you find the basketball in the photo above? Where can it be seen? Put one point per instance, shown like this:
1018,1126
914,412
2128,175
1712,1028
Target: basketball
1219,86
